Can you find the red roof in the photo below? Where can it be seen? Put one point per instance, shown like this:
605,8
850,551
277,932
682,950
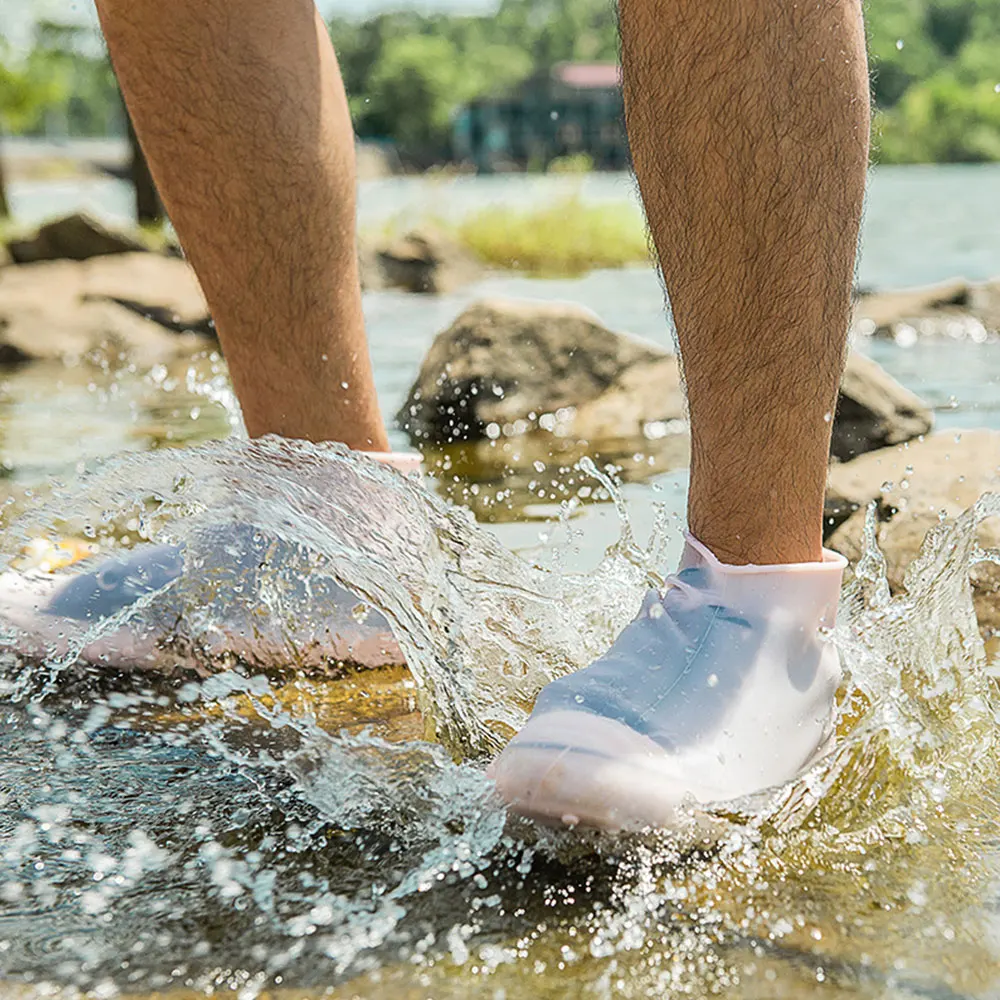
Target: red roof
588,76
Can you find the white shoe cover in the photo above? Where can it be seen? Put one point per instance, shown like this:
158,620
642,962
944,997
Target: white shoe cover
721,687
46,611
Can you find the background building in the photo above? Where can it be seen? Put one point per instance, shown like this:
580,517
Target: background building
574,109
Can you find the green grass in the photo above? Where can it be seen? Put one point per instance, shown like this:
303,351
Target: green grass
566,238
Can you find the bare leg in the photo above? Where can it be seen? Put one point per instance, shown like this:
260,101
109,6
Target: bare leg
240,108
749,123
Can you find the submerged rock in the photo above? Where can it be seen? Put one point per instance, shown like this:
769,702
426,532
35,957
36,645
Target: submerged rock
138,307
506,368
958,309
75,237
914,486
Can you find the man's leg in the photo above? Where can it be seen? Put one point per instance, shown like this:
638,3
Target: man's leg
748,123
241,112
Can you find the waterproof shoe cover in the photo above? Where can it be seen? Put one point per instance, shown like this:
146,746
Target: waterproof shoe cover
230,594
721,687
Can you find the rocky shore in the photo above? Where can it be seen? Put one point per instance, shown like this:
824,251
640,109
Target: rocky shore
510,381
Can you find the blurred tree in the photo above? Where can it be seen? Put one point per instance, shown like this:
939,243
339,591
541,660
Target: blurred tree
561,30
406,71
412,91
28,86
942,121
949,24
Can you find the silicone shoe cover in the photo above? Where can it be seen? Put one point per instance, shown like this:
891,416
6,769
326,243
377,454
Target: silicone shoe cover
721,687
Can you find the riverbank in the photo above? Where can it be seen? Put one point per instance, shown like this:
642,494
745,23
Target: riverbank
922,224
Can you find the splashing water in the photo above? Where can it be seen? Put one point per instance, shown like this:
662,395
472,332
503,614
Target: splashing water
222,820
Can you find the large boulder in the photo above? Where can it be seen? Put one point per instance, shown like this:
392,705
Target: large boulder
958,309
75,237
504,368
141,308
914,486
507,367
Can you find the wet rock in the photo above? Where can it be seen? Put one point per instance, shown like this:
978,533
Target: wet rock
956,309
161,288
141,308
874,410
984,303
505,368
429,262
75,237
914,485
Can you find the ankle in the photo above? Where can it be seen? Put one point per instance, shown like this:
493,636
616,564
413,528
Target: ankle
777,542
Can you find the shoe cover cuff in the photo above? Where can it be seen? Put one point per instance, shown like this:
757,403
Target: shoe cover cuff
407,462
809,590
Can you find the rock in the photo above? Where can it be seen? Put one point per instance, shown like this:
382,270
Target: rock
521,366
955,309
874,410
424,262
507,367
428,262
943,474
945,471
75,237
984,303
137,307
161,288
369,267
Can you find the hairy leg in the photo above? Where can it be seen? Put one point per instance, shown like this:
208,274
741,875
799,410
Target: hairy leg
748,123
241,111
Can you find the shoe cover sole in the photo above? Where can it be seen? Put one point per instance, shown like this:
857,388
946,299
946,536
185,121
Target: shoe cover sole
575,768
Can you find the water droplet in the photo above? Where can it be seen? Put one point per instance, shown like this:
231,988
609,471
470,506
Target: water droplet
343,385
713,680
899,43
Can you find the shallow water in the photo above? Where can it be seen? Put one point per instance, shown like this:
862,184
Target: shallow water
266,827
196,833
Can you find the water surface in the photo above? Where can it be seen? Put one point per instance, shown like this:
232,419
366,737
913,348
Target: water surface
263,827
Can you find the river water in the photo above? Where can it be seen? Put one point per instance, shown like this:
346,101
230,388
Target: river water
189,834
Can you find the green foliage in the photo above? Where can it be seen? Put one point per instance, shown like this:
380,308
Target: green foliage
407,73
568,237
574,163
936,66
62,85
942,121
27,88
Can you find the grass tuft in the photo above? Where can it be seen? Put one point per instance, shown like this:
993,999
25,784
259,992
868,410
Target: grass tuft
566,238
